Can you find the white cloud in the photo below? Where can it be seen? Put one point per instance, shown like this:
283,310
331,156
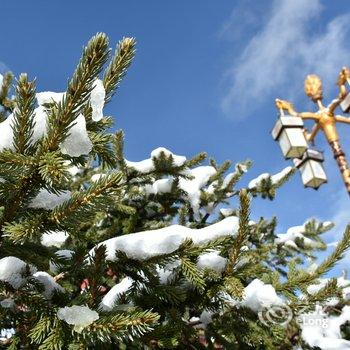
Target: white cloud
246,14
287,46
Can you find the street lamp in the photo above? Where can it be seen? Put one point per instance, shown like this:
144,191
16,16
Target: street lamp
288,131
310,162
310,166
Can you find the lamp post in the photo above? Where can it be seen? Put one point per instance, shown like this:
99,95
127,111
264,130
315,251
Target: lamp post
325,120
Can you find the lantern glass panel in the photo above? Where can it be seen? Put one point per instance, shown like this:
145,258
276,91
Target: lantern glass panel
345,104
292,142
312,174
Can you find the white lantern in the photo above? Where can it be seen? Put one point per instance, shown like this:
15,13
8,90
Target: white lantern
345,104
311,168
288,131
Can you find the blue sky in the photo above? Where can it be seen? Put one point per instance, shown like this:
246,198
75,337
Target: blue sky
205,77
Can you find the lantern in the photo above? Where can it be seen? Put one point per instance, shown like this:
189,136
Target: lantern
288,131
310,166
345,104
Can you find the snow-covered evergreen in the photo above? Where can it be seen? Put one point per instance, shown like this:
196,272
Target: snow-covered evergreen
100,252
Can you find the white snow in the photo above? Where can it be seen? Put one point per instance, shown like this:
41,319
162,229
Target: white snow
211,260
12,271
166,273
342,282
328,223
203,320
206,317
146,166
241,167
143,245
294,233
159,186
323,331
77,142
48,282
192,187
54,238
7,303
255,182
64,253
274,178
111,297
97,100
74,170
6,132
1,80
79,316
97,177
226,212
48,201
279,176
40,126
291,244
143,166
178,160
228,178
6,333
49,97
258,295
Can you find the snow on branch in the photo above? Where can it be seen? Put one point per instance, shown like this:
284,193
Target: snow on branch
147,244
77,142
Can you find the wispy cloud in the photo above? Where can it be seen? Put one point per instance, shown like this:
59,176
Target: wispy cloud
291,41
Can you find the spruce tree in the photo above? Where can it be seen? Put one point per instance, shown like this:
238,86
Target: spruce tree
98,252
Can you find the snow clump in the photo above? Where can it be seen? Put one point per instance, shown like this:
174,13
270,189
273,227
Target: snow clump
79,316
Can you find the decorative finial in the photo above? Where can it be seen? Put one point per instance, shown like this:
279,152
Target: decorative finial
344,75
313,87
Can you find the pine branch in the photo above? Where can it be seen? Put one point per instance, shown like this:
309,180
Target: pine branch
119,326
196,160
11,160
62,115
4,91
118,144
87,200
24,114
303,279
102,148
191,272
53,169
26,229
243,231
118,66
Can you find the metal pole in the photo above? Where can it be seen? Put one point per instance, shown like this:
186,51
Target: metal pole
339,156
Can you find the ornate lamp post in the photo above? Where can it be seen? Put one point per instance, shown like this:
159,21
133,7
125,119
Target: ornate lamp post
325,120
